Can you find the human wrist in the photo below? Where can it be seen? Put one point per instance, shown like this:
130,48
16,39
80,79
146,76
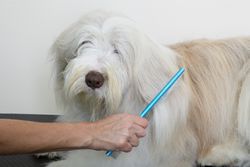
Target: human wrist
82,137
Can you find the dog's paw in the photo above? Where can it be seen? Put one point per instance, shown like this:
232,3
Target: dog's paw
49,155
227,154
244,163
205,162
217,160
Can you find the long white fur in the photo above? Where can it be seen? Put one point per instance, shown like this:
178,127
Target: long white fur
205,118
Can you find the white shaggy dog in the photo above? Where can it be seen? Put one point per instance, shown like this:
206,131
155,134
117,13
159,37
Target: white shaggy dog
105,65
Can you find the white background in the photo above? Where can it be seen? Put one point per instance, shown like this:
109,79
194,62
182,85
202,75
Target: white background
28,28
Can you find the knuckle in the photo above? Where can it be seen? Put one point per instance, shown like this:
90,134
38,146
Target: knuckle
126,133
130,126
144,122
122,142
128,149
135,143
142,133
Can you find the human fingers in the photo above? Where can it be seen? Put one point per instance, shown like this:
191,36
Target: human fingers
141,121
138,130
125,147
133,140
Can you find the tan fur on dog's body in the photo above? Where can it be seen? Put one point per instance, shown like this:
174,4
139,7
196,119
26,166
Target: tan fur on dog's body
216,72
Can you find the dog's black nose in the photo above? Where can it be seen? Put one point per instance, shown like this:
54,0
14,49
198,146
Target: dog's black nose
94,79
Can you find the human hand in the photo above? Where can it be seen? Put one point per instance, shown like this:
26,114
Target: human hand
119,132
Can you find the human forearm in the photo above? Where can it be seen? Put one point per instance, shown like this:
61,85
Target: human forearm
117,132
29,137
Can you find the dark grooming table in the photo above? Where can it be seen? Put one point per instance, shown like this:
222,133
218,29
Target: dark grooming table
25,160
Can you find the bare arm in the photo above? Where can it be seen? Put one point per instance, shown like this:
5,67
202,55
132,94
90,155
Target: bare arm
118,132
29,137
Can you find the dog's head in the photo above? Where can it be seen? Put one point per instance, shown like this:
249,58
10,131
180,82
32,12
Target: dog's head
103,55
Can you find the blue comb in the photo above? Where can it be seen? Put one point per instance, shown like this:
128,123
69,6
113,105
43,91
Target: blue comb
164,90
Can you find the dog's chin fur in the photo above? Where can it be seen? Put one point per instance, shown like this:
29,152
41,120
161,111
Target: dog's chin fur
205,118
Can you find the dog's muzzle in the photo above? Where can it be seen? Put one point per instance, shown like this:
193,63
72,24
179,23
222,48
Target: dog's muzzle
94,79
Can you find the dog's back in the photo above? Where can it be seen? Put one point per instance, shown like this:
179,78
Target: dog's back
218,74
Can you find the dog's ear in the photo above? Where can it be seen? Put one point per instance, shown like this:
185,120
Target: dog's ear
64,49
59,64
61,51
153,67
